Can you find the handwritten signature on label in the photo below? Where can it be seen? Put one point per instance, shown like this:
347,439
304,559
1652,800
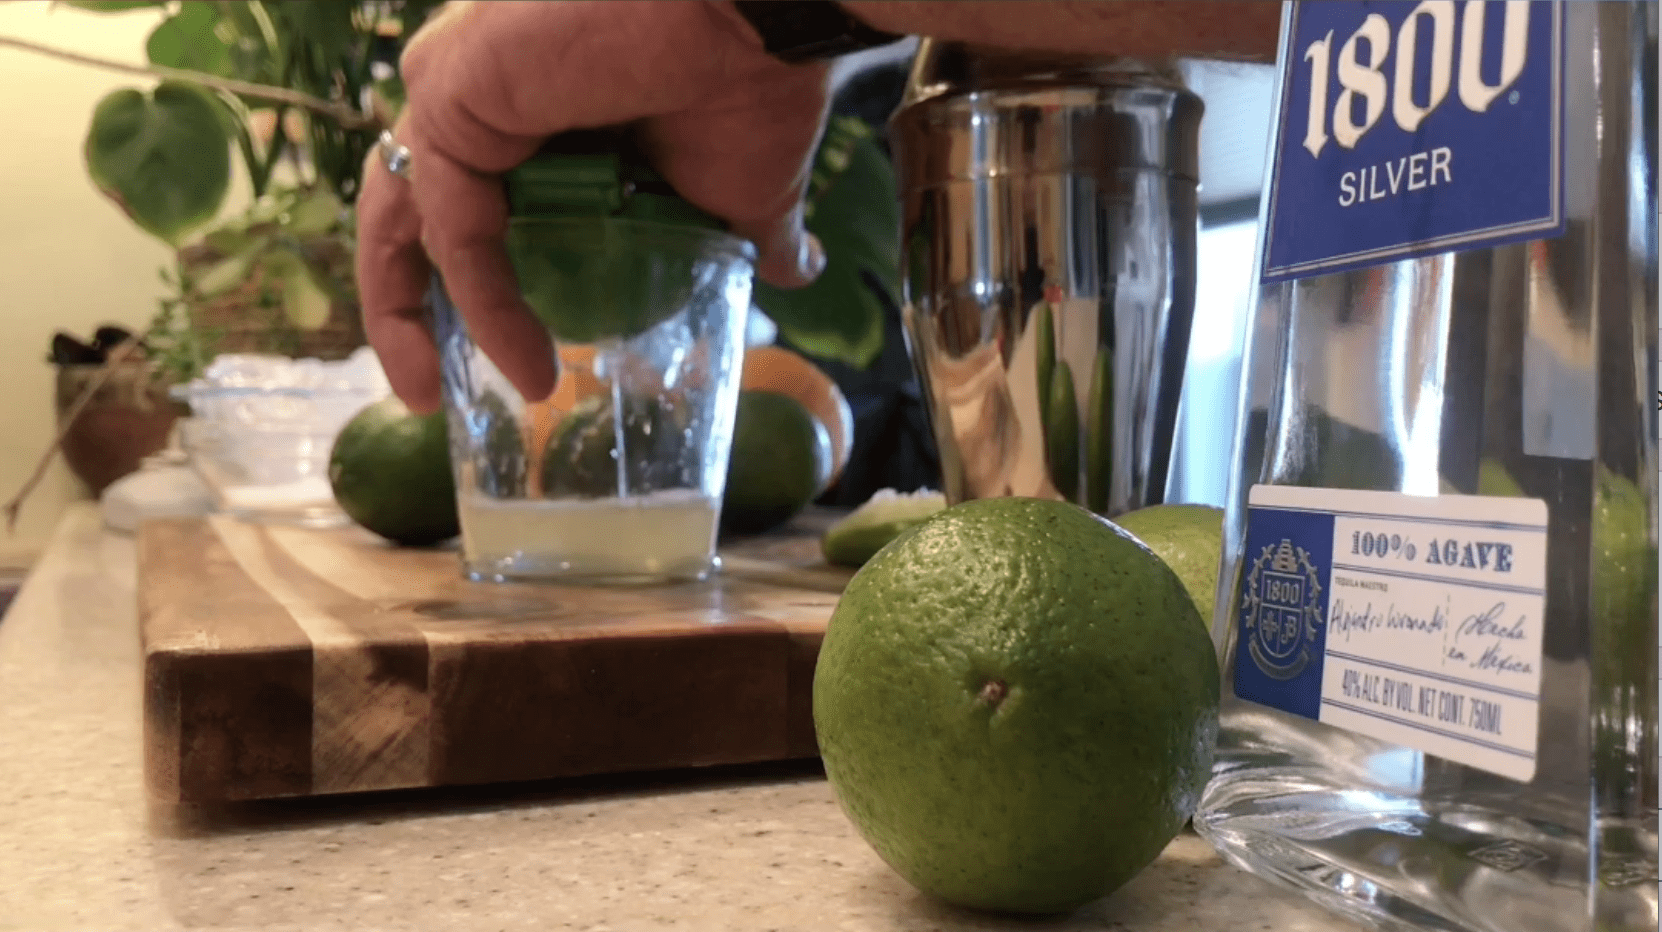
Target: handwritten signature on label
1481,642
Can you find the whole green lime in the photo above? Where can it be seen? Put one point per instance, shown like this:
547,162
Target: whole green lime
499,460
1016,705
581,458
390,471
780,454
1624,620
581,455
1493,479
1190,539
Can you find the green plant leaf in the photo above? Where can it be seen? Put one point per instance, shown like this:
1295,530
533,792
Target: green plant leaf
837,317
163,157
231,271
306,303
234,111
111,6
326,28
855,211
270,208
228,238
191,39
256,48
314,213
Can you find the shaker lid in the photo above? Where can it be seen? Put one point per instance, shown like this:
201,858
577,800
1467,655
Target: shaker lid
954,69
599,174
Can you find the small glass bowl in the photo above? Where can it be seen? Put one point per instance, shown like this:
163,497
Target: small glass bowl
264,452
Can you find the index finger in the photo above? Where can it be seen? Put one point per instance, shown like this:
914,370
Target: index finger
465,220
392,276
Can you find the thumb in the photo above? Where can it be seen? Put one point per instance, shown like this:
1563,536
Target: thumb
787,255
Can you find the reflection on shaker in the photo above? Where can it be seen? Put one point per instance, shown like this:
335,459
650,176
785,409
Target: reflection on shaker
976,399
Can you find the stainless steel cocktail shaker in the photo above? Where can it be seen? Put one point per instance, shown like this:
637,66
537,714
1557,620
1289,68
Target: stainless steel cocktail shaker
1049,226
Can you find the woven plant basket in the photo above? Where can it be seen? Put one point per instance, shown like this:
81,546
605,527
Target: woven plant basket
248,318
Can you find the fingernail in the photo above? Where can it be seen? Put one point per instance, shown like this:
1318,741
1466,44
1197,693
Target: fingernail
813,257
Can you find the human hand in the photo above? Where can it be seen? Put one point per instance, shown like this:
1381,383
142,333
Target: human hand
729,126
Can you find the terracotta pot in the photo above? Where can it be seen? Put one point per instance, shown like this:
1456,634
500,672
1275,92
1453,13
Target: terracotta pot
127,419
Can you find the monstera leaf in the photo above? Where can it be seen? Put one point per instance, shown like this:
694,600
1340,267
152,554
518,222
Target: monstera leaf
162,156
854,209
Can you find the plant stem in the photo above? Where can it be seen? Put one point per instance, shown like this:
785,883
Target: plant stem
118,356
342,114
245,145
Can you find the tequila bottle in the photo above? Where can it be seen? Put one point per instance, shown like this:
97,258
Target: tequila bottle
1438,610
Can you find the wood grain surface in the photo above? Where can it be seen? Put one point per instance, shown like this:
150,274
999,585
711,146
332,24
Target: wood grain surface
284,662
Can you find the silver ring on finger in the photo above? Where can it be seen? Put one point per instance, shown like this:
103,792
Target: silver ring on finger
395,156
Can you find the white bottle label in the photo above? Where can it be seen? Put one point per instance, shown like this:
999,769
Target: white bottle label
1415,620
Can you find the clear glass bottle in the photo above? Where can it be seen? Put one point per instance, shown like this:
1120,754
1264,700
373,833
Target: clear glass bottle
1438,610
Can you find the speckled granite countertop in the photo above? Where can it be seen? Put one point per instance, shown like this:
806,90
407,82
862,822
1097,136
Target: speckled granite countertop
753,849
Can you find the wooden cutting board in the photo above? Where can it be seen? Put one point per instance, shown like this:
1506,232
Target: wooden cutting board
288,662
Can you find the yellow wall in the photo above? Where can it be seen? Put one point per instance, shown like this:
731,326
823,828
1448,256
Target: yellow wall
68,258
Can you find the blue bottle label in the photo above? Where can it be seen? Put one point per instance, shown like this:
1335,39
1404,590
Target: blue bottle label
1413,619
1412,129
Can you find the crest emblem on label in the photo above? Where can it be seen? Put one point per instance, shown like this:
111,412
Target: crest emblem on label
1283,608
